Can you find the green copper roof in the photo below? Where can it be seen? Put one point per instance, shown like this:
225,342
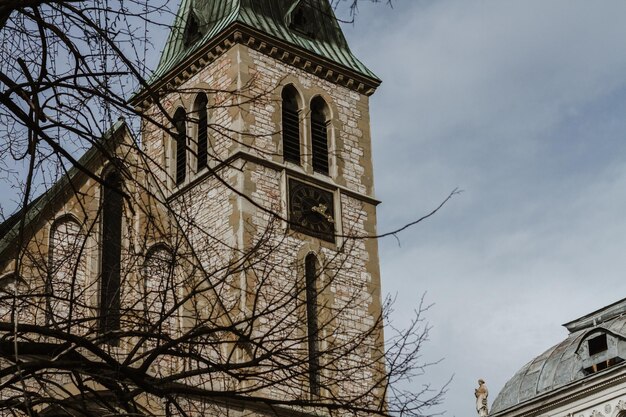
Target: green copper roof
308,24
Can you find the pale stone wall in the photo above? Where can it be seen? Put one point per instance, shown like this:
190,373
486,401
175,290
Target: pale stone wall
226,232
216,79
350,285
349,136
224,225
61,248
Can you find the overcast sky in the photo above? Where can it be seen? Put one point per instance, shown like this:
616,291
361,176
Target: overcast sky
523,106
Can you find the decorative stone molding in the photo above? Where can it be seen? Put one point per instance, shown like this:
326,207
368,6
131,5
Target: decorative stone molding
620,407
282,51
596,413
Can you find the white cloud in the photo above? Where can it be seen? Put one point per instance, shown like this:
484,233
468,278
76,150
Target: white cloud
520,104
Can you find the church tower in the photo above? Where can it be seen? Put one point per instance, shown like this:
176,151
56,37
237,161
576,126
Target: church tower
265,155
227,264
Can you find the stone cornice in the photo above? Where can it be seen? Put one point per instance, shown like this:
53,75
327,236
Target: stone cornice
241,155
238,33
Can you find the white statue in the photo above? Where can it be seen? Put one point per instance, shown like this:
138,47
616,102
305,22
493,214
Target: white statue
481,394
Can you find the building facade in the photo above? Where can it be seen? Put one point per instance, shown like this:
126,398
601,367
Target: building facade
583,376
226,261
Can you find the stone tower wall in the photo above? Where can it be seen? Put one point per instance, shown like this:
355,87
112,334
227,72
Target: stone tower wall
244,204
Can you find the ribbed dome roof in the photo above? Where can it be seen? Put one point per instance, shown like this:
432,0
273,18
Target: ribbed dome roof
561,364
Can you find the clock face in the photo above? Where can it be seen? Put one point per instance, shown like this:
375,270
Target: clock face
311,210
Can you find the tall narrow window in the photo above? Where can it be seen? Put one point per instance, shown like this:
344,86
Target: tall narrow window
202,132
112,203
291,125
181,145
319,135
310,272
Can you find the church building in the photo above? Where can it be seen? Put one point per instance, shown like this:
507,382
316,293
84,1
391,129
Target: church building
223,260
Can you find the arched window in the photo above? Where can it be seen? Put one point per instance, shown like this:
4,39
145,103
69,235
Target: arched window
66,272
180,127
311,273
319,134
112,210
202,138
291,125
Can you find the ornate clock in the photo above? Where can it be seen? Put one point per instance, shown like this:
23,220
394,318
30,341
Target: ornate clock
311,210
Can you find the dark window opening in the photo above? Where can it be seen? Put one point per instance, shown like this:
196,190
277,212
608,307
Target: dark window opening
291,125
303,20
299,19
192,30
181,146
112,207
203,137
597,344
319,135
312,323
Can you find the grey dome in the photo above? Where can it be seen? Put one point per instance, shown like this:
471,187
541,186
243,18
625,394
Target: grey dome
566,362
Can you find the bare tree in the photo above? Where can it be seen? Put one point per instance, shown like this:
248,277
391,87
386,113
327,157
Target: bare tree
130,288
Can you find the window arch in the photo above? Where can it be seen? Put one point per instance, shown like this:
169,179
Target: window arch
311,273
291,124
110,267
319,134
202,137
180,127
66,270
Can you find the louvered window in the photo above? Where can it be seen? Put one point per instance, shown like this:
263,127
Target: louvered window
291,126
319,135
312,323
203,137
181,146
112,203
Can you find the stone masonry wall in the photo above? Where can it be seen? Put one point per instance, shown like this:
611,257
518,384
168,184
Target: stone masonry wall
349,284
226,230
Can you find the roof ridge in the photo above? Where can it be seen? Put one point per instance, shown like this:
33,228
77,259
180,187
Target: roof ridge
32,211
597,317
